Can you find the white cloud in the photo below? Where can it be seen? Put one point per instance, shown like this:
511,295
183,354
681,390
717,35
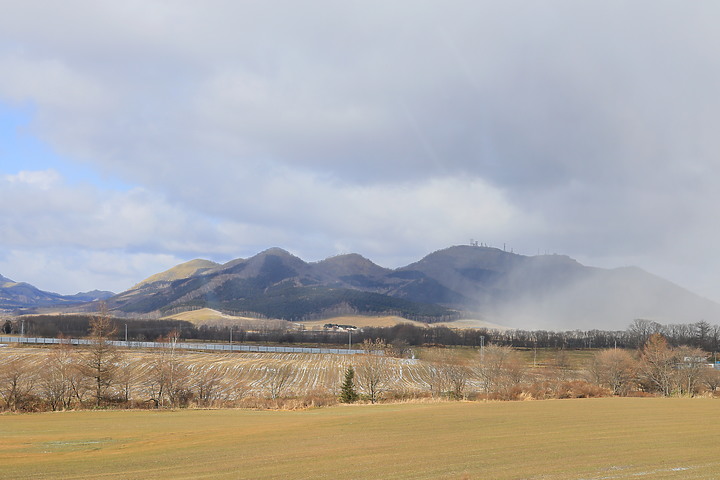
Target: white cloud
69,271
42,180
38,209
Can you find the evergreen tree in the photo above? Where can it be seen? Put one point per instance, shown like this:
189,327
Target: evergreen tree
347,391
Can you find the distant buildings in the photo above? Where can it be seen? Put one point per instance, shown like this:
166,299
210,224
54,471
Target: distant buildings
340,328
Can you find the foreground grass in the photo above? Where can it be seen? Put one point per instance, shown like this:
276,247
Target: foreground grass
591,439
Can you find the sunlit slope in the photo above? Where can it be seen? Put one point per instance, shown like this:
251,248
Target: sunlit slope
184,270
610,438
208,316
205,316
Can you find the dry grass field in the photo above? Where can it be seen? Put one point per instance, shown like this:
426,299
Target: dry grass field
246,373
588,439
208,316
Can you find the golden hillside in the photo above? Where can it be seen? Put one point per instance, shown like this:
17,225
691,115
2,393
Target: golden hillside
184,270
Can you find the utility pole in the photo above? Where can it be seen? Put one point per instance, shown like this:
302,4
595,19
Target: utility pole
349,339
482,348
231,329
22,328
126,335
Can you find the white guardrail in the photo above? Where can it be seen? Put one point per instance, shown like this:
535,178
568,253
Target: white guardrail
215,347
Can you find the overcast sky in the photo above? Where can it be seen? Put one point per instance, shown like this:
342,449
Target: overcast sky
136,135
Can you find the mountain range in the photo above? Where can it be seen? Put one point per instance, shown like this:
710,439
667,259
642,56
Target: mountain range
17,295
532,292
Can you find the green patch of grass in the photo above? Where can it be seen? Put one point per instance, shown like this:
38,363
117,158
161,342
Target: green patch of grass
618,438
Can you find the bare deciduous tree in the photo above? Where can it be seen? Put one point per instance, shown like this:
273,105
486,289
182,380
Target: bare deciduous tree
689,368
711,378
377,346
372,372
500,368
279,380
656,366
125,379
372,375
100,361
207,386
640,331
55,378
433,374
17,380
168,380
614,369
450,372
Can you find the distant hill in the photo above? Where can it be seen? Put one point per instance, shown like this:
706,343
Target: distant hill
20,295
92,296
488,284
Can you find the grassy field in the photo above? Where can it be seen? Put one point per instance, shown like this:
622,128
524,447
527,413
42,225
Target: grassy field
208,316
590,439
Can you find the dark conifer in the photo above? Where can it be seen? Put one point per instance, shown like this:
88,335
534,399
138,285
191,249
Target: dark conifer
347,392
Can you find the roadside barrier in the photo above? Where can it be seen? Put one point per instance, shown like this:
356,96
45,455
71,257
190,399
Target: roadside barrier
215,347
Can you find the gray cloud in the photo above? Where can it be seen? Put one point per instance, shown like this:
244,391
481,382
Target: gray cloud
586,128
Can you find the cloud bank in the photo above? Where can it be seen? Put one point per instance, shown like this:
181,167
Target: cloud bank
584,128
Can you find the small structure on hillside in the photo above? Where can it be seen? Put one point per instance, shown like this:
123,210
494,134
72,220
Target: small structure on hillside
339,327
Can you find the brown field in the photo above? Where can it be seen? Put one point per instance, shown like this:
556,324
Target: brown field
588,439
250,374
208,316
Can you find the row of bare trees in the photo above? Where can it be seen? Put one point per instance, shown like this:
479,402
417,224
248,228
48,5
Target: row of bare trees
71,377
99,375
66,378
657,368
501,372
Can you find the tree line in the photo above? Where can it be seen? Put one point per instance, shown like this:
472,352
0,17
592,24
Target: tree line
701,334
